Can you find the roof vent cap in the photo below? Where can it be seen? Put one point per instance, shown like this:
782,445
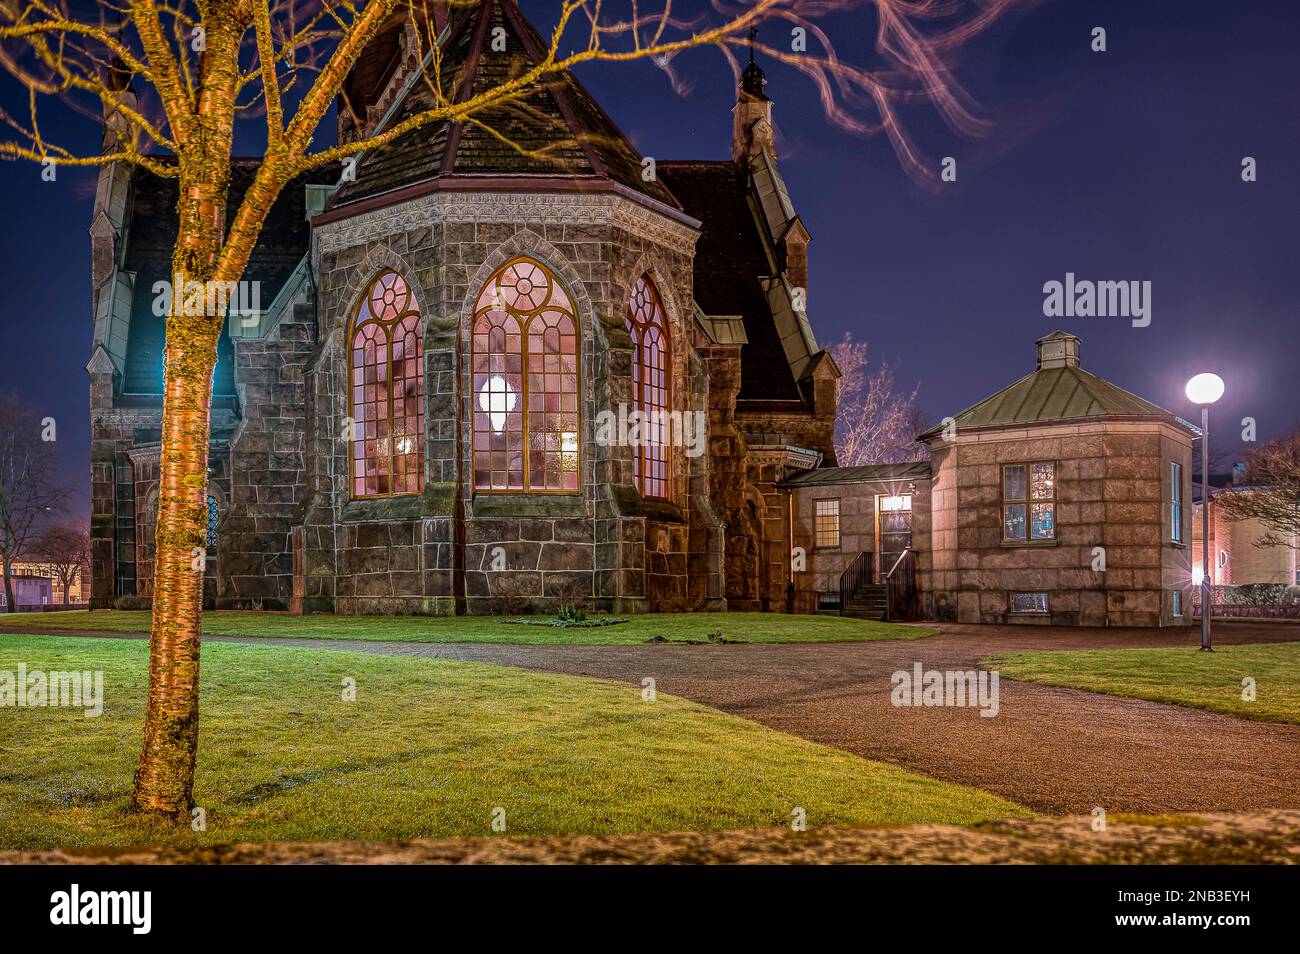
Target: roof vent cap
1058,350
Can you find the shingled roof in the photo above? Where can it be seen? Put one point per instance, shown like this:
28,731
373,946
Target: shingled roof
152,229
1058,390
555,130
731,259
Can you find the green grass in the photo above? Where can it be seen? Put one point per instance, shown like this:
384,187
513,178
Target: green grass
1182,677
428,749
674,627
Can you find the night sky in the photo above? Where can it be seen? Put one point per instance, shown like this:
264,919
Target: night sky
1123,165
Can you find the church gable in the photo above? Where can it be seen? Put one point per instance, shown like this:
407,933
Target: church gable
556,131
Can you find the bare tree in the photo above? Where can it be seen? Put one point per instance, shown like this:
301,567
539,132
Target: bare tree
29,487
64,553
1271,493
175,77
875,423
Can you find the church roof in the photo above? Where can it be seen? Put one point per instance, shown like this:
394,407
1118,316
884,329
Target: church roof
555,130
731,260
151,239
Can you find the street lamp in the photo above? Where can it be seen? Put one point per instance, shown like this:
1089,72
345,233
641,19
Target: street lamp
1204,389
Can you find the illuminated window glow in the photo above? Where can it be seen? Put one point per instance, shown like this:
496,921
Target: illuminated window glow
826,524
525,382
896,502
650,386
387,369
1029,502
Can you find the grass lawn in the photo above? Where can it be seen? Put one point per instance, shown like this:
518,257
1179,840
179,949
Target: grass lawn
428,749
640,628
1183,677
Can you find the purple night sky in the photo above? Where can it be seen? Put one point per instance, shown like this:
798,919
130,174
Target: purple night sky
1122,165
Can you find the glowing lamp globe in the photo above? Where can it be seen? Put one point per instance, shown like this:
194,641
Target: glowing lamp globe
1205,388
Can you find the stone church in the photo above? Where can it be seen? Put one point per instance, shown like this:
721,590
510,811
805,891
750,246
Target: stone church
414,415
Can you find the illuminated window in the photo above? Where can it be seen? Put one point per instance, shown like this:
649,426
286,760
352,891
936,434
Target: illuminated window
387,365
895,503
826,524
525,382
650,378
1029,502
1176,502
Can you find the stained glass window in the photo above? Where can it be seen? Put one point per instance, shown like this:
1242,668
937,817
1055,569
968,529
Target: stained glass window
650,387
525,382
1029,502
387,367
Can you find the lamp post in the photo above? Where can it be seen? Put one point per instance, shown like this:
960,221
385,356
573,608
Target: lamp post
1204,389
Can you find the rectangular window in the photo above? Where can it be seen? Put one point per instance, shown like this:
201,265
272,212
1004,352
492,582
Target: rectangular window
1178,597
826,524
1029,502
1029,602
1176,502
828,601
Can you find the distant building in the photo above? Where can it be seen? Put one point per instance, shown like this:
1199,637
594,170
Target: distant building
1234,557
1059,499
28,590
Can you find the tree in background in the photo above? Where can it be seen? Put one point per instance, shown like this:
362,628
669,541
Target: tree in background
64,553
173,78
875,422
29,487
1271,493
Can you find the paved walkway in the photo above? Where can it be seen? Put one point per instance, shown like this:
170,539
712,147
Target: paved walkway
1055,750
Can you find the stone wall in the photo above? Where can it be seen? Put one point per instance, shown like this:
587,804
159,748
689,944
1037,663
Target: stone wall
484,553
1112,492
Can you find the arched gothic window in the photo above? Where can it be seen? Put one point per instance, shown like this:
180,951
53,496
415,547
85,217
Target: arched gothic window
525,382
650,379
387,371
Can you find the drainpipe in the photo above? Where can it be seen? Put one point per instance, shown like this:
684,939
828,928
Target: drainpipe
789,550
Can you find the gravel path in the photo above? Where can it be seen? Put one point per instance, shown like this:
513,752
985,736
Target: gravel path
1055,750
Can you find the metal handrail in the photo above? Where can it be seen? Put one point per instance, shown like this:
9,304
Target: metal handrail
906,551
851,580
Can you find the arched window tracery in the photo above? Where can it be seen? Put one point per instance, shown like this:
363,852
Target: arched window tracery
524,382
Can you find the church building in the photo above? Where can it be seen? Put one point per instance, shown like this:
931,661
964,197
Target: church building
496,365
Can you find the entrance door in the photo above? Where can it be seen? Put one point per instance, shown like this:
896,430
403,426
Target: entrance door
893,530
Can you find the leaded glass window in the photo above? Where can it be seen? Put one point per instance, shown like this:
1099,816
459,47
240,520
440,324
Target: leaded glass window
650,387
214,514
387,385
524,382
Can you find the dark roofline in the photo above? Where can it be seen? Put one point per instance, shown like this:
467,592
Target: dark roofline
495,182
861,474
1171,419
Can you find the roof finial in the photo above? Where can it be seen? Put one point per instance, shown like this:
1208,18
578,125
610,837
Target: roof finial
752,80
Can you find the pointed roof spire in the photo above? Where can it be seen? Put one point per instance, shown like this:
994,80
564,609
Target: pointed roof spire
752,80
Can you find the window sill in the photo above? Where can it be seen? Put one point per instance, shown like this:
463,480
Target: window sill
529,505
1054,542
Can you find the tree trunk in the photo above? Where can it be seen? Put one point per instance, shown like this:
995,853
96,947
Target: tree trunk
164,781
